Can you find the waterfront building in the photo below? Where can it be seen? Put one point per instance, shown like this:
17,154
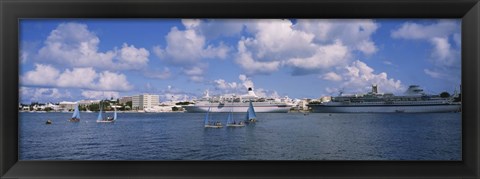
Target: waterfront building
302,104
25,108
67,105
140,102
52,106
88,102
124,100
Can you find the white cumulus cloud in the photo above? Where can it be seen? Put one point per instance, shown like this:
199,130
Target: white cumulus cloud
131,57
74,45
83,78
187,46
444,36
354,33
443,54
267,45
433,73
213,28
411,30
113,81
245,81
158,74
197,79
222,86
308,46
251,66
266,93
275,39
325,57
28,94
43,75
358,77
78,77
331,76
88,94
192,71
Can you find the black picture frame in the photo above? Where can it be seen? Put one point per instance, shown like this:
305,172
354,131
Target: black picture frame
12,11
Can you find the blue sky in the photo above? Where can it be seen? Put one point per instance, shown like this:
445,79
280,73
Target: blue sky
73,59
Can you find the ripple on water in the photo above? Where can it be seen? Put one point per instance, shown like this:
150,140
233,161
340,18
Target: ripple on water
293,136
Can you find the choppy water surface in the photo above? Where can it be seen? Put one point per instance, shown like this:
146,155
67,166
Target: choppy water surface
289,136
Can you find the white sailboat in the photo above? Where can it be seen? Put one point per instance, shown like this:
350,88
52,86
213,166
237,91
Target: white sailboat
101,119
232,123
251,116
76,115
209,124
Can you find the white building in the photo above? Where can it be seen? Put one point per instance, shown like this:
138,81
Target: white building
53,106
140,102
88,102
302,104
66,105
124,100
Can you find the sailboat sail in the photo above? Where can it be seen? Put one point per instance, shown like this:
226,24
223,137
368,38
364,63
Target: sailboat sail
109,119
76,113
115,114
206,117
229,118
99,118
251,112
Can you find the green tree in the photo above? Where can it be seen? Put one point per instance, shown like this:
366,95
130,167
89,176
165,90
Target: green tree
183,103
94,107
314,102
445,94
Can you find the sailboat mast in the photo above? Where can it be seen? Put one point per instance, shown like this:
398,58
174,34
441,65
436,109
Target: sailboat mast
100,112
115,114
206,117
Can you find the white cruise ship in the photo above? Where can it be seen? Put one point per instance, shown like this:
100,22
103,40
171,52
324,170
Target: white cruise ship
414,101
239,104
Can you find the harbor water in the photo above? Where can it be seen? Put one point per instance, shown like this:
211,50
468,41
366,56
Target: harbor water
276,136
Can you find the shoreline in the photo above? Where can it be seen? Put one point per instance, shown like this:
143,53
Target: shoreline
97,112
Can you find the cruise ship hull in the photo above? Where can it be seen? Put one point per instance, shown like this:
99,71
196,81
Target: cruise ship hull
237,108
321,108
